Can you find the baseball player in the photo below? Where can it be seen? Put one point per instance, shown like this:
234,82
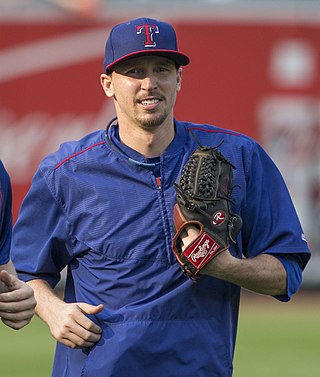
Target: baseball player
103,207
17,301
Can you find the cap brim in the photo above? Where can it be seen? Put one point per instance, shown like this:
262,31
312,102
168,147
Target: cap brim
178,57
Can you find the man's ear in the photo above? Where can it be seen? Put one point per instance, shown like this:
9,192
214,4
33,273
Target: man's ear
179,79
106,84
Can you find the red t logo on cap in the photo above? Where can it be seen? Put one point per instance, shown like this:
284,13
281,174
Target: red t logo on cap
149,30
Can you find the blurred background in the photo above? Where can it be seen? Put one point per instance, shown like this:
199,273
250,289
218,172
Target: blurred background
255,68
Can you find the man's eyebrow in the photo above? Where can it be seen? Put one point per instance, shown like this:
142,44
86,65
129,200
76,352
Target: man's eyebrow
128,64
131,64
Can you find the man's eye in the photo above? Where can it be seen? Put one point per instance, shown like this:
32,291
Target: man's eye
162,69
134,71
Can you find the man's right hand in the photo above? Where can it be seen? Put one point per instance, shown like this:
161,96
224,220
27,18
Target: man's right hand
71,326
68,322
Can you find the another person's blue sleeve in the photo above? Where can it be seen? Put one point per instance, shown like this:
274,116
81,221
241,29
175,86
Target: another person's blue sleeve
5,215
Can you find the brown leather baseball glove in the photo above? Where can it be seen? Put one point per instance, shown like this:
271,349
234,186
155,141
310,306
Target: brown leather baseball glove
203,194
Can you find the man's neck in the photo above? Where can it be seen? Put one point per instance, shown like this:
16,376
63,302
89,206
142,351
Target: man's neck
148,143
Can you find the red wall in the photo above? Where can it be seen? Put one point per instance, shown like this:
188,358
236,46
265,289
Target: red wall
50,91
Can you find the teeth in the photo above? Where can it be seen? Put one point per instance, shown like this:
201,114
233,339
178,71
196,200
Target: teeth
149,101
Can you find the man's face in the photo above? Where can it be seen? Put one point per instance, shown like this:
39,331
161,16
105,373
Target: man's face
144,90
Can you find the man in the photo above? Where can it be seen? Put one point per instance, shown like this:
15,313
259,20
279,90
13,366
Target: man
103,207
17,301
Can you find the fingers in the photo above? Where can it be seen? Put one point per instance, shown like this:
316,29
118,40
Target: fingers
90,309
16,317
73,328
7,278
17,291
16,325
17,305
18,310
19,299
80,339
188,235
84,321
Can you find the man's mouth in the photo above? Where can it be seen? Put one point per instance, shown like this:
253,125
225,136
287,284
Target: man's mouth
150,101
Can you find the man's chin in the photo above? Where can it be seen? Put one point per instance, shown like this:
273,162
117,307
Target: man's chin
152,121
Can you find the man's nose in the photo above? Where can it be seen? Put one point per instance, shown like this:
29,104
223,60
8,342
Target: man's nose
149,82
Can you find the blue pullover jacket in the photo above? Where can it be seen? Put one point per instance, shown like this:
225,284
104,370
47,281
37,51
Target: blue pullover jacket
98,208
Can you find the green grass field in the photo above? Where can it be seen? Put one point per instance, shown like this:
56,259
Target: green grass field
27,352
279,339
274,340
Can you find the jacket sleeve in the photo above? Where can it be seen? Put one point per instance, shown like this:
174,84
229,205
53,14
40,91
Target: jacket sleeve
41,245
270,222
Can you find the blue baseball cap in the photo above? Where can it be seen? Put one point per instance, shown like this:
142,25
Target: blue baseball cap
142,36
